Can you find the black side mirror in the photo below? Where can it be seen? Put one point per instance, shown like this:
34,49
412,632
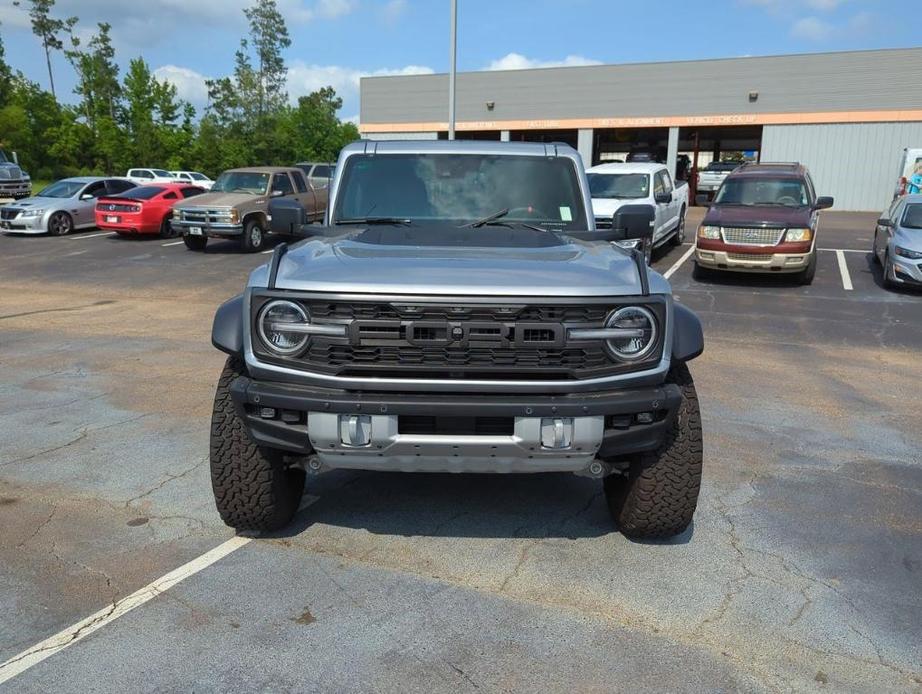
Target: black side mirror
287,215
823,203
884,222
702,199
663,198
634,222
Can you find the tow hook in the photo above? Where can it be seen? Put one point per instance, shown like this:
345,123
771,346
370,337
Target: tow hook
597,469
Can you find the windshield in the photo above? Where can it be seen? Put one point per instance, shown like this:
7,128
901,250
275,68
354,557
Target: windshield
3,159
462,188
62,189
912,217
199,177
784,192
241,182
141,193
631,186
161,173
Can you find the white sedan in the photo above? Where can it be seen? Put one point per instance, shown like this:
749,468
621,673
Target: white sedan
193,178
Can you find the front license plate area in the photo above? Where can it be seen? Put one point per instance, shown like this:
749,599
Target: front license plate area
195,231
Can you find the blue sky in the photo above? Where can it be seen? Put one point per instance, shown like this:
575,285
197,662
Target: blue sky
337,41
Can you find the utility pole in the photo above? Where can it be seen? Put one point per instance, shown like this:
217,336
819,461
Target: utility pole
453,68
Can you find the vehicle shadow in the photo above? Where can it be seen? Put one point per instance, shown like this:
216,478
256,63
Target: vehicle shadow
540,506
756,280
876,271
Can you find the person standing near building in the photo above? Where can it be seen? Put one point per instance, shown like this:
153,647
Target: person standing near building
914,184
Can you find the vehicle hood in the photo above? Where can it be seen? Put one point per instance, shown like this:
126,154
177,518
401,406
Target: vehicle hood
223,200
507,263
908,238
606,207
769,216
37,201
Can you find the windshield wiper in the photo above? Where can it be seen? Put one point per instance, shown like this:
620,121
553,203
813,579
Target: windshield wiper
397,221
491,218
495,220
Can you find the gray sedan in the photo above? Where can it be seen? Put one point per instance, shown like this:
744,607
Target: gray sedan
898,242
62,207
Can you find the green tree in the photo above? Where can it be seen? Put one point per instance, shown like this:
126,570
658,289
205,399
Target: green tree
6,76
48,29
140,102
269,36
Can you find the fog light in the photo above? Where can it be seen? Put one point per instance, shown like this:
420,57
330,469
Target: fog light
794,260
705,255
644,417
267,412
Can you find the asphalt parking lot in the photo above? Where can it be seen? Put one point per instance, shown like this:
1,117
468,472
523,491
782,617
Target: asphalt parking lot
803,569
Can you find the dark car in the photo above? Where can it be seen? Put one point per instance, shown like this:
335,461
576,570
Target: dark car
763,219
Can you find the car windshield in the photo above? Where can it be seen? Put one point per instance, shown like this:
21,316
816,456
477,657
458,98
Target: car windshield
241,182
460,189
744,190
631,186
161,173
3,159
62,189
912,217
199,177
141,193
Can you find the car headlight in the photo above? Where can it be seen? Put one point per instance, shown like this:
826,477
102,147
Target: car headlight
907,253
32,212
796,235
640,333
234,217
281,327
709,232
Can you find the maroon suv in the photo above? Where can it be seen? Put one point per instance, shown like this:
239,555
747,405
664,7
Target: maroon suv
763,219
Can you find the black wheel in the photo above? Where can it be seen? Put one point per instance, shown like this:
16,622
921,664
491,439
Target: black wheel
701,273
166,229
253,236
253,488
874,256
195,243
658,497
805,277
60,223
678,238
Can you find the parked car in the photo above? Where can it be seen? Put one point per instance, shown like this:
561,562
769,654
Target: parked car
62,207
193,178
143,210
909,178
711,176
237,207
898,242
141,176
763,219
614,185
460,314
15,182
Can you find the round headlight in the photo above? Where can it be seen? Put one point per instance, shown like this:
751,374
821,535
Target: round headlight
279,322
639,325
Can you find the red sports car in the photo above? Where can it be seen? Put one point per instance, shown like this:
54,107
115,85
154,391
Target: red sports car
143,210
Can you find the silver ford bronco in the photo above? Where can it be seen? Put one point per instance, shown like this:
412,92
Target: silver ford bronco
459,312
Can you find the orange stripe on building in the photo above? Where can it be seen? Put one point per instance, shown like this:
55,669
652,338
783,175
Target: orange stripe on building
657,121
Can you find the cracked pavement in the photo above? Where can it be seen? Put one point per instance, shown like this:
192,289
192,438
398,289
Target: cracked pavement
802,571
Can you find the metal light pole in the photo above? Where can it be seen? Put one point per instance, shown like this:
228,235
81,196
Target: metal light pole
452,69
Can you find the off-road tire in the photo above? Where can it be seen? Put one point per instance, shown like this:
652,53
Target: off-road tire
658,497
248,241
195,243
253,488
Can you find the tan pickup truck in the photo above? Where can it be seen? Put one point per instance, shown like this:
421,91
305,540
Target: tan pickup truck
238,206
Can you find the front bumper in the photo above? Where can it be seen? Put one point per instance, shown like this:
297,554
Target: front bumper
26,225
315,422
210,229
16,190
746,259
905,270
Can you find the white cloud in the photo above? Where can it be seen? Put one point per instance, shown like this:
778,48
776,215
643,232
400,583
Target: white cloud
11,16
190,85
811,29
393,10
304,79
517,61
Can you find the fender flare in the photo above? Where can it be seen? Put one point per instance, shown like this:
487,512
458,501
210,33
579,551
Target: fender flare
688,335
227,329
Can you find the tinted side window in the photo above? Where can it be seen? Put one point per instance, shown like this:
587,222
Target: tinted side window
283,183
896,210
667,181
171,196
145,174
95,189
191,192
811,191
320,176
658,185
118,186
299,181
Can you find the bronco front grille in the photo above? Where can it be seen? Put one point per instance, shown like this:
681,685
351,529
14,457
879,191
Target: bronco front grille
457,341
752,236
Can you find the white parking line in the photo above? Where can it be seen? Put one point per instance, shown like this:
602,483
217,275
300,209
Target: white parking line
173,243
18,664
92,236
269,251
843,250
843,270
671,271
69,636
